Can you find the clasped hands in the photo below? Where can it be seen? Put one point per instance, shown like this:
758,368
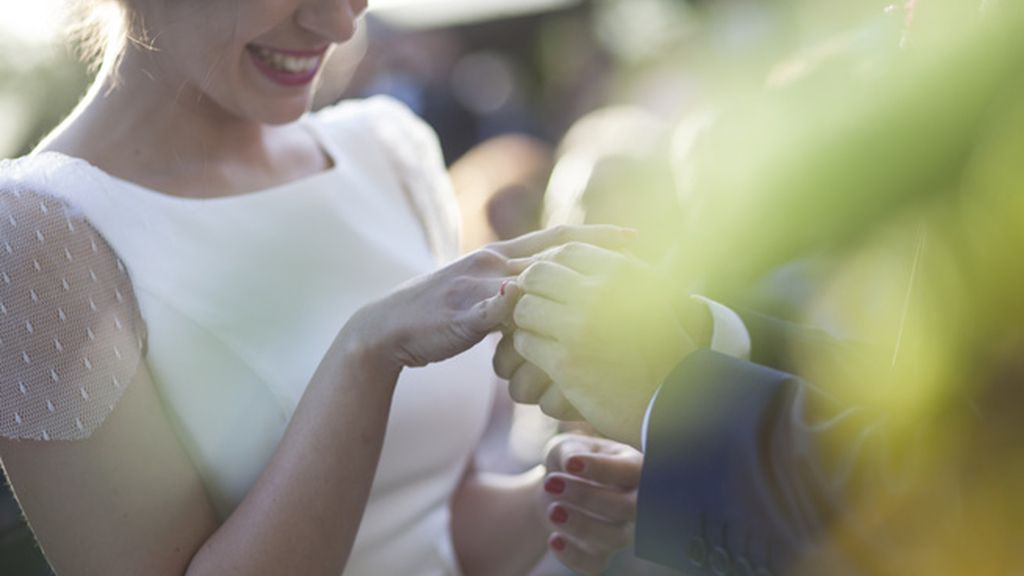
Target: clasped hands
593,335
590,332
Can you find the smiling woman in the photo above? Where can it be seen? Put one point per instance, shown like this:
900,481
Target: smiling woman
210,297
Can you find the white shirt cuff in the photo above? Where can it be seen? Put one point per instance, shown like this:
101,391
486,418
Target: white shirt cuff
729,336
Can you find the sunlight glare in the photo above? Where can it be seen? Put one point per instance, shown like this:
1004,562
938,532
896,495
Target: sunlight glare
35,22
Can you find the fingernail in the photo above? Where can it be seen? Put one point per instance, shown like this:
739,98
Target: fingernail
558,543
575,465
554,486
559,515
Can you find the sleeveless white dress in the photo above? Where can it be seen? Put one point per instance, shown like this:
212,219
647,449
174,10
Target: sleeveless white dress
243,295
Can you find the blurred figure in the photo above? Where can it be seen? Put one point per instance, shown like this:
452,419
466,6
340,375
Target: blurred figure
613,169
500,187
811,455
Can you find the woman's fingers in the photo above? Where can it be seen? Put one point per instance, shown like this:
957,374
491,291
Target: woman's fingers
590,519
598,460
561,448
612,237
609,503
595,533
487,315
611,469
575,557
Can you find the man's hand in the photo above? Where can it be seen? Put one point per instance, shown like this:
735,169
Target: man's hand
601,326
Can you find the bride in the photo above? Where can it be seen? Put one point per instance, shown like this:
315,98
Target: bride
227,345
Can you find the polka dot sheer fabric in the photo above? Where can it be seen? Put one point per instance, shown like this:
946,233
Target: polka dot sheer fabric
71,335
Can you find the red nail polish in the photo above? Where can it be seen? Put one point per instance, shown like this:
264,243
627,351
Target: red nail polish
559,515
575,465
554,486
558,544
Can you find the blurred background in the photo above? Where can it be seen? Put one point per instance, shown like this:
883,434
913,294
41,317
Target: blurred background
833,197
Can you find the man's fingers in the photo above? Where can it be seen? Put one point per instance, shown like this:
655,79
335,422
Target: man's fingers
506,360
552,281
543,352
608,236
528,384
555,405
588,259
542,316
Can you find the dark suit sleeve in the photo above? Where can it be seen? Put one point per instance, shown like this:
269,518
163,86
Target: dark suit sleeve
741,471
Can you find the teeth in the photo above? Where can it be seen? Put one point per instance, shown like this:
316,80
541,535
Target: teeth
290,64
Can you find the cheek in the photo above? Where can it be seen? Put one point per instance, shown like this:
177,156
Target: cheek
212,34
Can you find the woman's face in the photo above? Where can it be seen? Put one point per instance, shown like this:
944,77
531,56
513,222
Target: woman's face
257,60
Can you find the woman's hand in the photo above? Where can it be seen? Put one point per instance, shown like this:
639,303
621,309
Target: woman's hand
437,316
589,499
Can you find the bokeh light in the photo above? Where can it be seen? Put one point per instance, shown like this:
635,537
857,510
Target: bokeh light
32,23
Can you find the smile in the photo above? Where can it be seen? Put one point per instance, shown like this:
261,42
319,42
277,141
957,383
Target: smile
287,67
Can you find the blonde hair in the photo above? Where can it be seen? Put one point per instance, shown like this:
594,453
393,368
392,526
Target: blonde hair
100,30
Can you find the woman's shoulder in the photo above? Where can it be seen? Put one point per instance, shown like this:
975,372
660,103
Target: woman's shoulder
414,153
71,334
377,111
387,122
48,173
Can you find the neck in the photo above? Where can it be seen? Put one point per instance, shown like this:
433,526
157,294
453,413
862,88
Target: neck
183,128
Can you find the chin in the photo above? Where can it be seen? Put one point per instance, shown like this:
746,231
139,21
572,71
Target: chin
284,115
280,112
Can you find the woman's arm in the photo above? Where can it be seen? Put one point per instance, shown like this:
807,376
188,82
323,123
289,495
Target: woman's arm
498,522
128,501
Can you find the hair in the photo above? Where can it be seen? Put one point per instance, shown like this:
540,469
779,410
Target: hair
101,29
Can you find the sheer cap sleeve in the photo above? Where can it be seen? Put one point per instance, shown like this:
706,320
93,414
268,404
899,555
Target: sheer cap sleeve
71,334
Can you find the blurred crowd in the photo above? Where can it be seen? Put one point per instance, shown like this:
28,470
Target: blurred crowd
785,151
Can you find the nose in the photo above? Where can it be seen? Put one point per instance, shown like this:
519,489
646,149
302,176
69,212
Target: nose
334,20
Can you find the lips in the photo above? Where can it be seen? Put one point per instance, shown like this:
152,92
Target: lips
287,67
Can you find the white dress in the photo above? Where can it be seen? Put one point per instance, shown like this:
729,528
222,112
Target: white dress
243,295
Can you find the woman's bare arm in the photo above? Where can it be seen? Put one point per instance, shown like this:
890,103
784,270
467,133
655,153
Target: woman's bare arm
498,523
128,501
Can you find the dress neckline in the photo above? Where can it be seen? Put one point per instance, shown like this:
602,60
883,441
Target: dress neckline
325,145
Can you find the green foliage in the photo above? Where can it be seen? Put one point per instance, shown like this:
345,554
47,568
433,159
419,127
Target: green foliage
43,83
